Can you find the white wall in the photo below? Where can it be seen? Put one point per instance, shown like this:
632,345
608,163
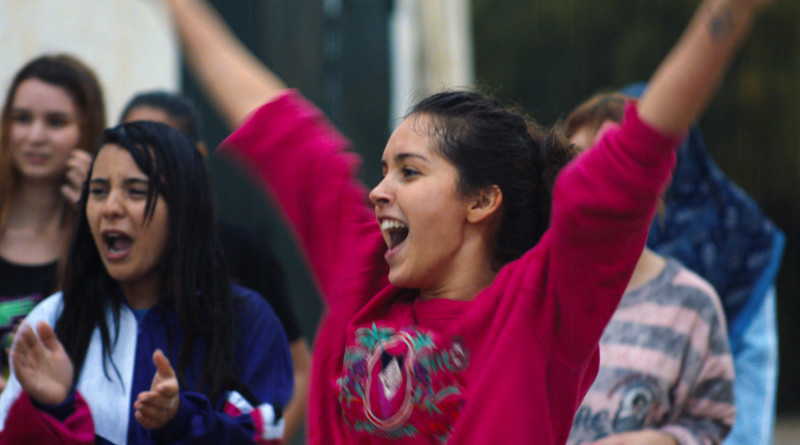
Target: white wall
129,43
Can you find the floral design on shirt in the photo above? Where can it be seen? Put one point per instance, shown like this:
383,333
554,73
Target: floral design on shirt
402,383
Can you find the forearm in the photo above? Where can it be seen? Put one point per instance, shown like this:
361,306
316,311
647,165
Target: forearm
686,79
304,164
235,80
296,409
696,431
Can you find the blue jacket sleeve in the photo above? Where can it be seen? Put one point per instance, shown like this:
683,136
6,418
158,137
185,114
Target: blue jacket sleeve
252,411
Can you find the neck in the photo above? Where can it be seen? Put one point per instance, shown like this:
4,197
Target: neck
649,266
142,294
463,287
36,206
470,270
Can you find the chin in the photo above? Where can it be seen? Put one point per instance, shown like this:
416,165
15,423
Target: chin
120,276
398,279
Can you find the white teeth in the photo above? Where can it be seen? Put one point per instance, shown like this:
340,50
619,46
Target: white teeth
388,224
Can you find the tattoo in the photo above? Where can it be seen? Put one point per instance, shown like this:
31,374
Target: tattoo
722,23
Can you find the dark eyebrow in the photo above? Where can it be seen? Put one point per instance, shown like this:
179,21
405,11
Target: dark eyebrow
59,114
137,181
401,156
56,113
129,181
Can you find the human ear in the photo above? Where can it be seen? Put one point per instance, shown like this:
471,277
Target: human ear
484,204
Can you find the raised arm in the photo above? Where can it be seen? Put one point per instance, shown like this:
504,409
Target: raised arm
236,81
684,83
604,202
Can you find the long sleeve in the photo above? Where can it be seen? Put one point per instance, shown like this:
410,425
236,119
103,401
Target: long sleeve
27,424
302,162
602,207
536,327
252,411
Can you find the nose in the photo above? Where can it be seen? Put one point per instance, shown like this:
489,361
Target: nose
37,131
380,194
112,205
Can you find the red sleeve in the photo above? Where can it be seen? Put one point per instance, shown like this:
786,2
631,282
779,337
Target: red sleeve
26,424
603,204
303,163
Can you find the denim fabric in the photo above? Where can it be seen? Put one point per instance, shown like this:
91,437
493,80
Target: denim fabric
755,359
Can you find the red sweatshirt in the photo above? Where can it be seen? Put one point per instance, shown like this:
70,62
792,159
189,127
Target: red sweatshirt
26,424
510,366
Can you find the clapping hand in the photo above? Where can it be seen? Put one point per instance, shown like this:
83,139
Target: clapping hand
41,364
156,407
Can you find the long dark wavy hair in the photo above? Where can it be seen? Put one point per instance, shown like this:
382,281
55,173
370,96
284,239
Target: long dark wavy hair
194,277
494,144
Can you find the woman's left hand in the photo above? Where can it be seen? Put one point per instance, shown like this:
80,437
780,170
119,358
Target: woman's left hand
158,406
643,437
77,170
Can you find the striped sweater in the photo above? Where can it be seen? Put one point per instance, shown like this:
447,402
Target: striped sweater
664,364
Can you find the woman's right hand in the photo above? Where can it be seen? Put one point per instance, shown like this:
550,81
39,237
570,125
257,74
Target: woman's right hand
41,364
78,166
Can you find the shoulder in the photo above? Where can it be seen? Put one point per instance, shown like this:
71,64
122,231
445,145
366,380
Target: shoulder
693,294
693,286
252,308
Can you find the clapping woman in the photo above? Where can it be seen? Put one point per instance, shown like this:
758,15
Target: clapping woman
164,349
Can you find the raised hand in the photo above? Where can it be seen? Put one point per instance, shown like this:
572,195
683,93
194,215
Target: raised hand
77,170
158,406
41,364
685,81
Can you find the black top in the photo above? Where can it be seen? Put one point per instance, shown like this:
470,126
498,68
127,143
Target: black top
253,265
21,288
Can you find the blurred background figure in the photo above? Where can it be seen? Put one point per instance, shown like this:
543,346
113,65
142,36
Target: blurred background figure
51,123
666,372
716,229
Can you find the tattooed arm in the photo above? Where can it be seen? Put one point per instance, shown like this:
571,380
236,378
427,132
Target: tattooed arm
685,81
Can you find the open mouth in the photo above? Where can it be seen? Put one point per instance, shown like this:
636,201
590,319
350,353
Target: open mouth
117,243
396,232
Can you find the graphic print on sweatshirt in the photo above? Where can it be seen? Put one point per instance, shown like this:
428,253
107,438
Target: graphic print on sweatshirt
402,383
638,400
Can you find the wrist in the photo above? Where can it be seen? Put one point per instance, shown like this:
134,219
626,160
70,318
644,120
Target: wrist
60,409
738,13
